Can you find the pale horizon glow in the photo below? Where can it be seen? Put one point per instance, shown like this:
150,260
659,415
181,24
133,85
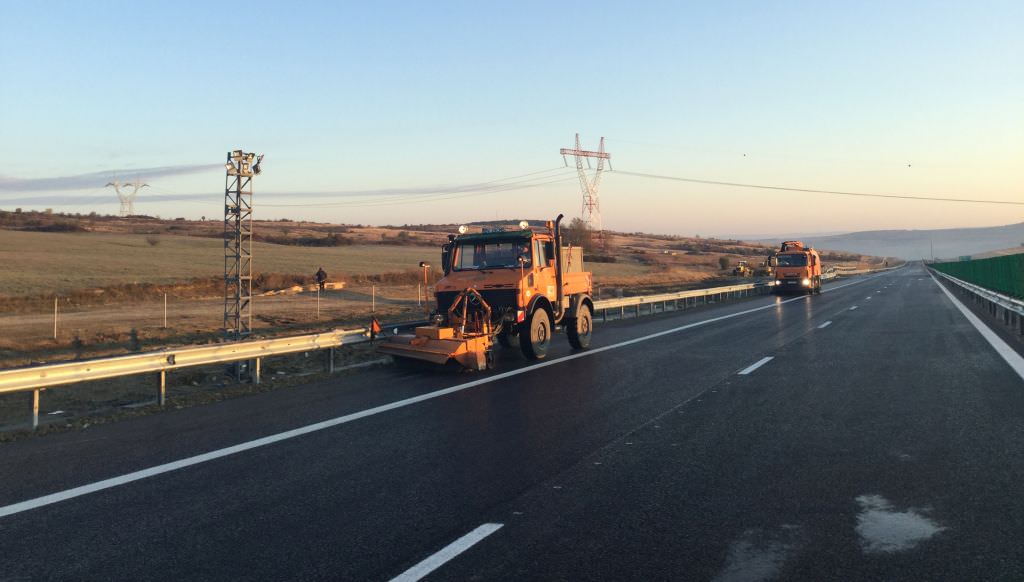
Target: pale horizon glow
405,114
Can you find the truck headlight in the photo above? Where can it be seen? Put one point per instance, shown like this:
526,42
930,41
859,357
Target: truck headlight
806,282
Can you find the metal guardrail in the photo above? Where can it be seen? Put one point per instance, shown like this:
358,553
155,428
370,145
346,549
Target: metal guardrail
38,378
691,297
169,359
1000,306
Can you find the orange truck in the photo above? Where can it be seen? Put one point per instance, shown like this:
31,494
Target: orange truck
797,268
499,287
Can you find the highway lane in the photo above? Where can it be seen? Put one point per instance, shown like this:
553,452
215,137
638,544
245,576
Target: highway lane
370,498
886,445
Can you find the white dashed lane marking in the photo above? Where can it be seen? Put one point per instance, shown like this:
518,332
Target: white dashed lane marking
756,365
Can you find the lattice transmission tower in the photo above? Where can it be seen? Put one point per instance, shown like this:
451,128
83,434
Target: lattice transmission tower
591,212
239,171
127,199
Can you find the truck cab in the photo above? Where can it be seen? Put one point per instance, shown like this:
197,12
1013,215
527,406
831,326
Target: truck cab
514,271
797,268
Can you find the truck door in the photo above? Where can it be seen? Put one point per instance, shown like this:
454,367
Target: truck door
544,253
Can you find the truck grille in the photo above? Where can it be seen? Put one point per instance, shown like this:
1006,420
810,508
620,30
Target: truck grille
499,299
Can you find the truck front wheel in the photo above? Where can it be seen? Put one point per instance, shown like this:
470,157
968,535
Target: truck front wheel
579,328
535,339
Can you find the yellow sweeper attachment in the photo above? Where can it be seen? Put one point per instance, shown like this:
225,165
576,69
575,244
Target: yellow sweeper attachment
467,339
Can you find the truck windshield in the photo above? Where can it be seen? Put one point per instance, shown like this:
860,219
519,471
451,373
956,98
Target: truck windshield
794,260
500,254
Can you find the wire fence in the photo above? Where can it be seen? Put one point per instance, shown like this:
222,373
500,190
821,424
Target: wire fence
1001,274
68,323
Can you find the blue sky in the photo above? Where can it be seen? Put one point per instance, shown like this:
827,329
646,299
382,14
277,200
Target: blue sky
372,112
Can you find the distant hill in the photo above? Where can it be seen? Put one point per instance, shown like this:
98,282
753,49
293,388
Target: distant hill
917,244
1000,253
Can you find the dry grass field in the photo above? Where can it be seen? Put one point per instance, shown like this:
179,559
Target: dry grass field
55,263
47,264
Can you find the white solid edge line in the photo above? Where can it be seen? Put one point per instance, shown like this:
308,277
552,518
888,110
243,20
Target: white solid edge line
310,428
826,324
756,365
447,553
1001,347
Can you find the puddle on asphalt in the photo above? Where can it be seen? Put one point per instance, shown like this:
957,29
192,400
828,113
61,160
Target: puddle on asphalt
758,555
885,530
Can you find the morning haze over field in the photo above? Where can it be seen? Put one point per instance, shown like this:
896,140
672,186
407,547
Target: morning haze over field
445,114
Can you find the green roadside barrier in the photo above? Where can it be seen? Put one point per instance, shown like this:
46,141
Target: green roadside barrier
1000,274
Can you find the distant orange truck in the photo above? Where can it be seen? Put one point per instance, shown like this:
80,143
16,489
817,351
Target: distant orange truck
797,268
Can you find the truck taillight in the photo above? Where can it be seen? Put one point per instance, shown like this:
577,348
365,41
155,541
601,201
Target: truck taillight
520,316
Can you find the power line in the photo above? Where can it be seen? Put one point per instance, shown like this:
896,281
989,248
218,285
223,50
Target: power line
462,192
420,199
813,191
402,196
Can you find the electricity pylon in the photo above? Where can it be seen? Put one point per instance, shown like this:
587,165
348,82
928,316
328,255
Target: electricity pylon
127,200
591,212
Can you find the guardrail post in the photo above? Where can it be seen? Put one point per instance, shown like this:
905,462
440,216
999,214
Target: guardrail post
35,409
604,315
622,312
330,360
257,364
162,394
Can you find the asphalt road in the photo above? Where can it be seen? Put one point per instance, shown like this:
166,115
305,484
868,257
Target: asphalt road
881,442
